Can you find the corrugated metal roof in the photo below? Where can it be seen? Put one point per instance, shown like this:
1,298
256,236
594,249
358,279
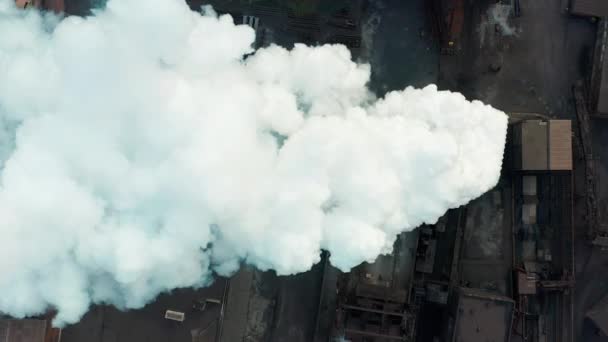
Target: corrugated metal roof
22,330
543,145
595,8
560,145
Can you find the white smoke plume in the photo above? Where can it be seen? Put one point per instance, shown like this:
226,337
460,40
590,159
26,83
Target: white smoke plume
142,153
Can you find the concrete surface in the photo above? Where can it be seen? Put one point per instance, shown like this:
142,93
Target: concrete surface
538,63
399,46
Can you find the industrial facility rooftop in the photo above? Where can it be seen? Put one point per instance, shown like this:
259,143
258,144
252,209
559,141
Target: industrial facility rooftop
482,316
22,330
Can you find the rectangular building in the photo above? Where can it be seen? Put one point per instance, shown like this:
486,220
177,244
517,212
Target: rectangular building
542,145
479,315
22,330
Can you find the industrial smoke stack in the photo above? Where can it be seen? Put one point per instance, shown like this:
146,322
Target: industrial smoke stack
141,153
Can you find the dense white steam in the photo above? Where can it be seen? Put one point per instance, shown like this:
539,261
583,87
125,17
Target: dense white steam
140,153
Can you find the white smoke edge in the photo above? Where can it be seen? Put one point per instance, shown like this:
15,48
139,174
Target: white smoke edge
499,15
148,156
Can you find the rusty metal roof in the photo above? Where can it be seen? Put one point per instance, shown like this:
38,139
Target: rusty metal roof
595,8
560,145
22,330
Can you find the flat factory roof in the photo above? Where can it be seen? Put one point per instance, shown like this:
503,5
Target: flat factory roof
542,145
560,145
483,316
22,330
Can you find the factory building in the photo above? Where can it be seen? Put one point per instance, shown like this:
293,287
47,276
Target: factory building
373,303
28,330
543,258
478,315
540,145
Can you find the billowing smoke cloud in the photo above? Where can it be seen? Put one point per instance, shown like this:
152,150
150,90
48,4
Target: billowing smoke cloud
141,153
